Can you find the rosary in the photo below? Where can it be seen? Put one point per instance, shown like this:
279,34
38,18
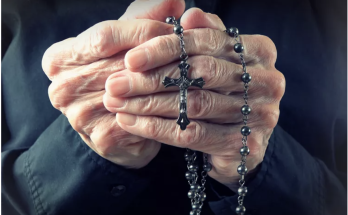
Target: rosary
196,192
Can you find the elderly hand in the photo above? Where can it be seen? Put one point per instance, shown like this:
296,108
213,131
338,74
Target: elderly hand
78,68
147,109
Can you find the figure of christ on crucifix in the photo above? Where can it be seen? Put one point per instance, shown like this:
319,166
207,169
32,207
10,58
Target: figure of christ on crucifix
183,83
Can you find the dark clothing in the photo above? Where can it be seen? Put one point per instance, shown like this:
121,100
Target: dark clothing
48,169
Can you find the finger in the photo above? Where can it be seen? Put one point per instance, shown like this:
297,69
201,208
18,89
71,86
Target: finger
165,49
74,84
154,9
196,18
220,75
201,104
205,137
100,131
101,41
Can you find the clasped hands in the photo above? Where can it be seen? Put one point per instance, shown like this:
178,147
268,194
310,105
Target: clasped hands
108,82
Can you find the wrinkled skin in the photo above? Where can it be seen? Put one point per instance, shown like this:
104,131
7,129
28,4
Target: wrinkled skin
106,71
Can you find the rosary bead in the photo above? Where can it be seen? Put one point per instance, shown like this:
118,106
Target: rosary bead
195,187
178,29
240,209
202,196
196,207
191,194
244,150
242,169
170,20
193,167
238,47
187,156
233,32
195,212
242,191
189,175
246,77
245,130
207,167
245,109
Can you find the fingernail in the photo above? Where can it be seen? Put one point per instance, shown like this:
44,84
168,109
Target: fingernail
126,119
119,85
137,58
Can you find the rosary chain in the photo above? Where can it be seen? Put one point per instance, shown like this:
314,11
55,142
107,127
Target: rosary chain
245,130
196,192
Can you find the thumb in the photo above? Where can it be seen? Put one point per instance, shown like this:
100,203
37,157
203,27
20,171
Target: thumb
154,9
196,18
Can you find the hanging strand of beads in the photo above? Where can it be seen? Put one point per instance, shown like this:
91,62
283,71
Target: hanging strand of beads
196,192
245,130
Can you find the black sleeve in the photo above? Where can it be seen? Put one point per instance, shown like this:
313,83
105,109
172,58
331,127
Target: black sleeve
47,178
290,181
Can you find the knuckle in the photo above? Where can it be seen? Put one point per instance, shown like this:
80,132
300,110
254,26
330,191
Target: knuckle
59,93
50,62
82,116
209,40
99,38
154,82
166,45
191,136
153,128
256,147
139,35
277,85
55,101
104,144
199,103
147,104
78,116
267,50
270,116
170,45
145,30
209,68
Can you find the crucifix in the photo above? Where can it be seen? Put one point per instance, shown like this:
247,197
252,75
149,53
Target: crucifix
183,83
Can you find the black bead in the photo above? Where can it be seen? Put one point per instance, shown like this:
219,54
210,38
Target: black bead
170,20
242,169
240,209
202,196
195,212
238,47
193,167
242,191
195,187
246,77
244,150
245,130
207,167
178,29
187,156
245,109
189,175
233,32
191,194
196,207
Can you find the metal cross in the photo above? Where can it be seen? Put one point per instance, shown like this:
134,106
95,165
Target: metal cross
183,83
